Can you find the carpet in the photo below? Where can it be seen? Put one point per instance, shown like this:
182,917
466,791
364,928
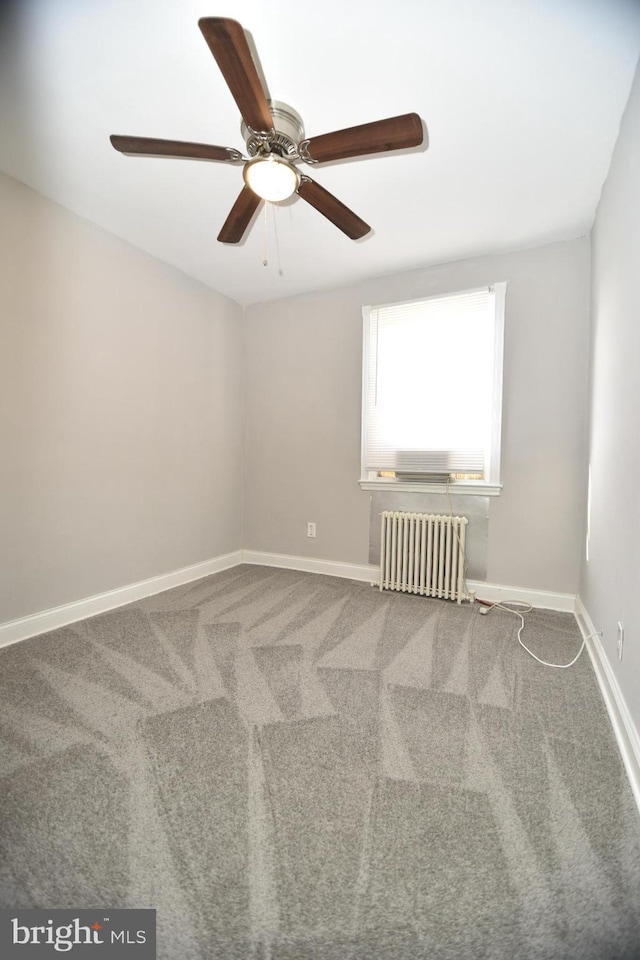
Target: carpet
289,766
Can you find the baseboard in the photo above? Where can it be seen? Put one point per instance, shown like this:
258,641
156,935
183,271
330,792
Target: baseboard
626,734
61,616
370,573
495,592
68,613
333,568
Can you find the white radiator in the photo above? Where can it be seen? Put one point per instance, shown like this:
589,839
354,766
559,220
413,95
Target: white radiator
423,553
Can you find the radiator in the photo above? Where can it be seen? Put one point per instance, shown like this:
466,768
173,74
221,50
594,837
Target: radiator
423,553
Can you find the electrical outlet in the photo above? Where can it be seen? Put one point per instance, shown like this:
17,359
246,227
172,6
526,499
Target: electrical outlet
311,529
620,640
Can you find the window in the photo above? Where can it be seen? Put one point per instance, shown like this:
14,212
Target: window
432,391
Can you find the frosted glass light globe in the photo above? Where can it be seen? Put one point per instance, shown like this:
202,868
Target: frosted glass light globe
272,178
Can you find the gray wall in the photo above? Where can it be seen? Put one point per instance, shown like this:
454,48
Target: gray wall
303,398
120,411
610,584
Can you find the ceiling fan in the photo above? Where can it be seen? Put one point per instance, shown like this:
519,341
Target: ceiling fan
275,142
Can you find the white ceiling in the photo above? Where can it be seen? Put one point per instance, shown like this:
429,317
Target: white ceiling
522,100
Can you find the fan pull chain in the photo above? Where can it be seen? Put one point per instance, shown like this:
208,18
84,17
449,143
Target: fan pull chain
265,262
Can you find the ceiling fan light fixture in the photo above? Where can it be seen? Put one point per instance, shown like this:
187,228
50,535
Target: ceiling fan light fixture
271,177
275,141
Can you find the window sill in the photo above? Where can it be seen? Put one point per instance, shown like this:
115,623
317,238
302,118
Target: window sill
464,488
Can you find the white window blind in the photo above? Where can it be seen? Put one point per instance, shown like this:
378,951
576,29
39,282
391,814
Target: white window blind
433,379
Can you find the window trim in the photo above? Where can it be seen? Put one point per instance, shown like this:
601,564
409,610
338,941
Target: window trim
491,487
464,488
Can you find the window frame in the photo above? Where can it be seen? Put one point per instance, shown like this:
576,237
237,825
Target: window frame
491,486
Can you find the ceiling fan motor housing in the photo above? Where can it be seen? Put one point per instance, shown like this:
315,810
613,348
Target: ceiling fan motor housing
283,140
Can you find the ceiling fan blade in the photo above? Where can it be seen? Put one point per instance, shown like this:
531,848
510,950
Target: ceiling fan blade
331,208
395,133
228,44
236,224
150,147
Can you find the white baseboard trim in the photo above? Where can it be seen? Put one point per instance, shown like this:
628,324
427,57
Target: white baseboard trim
332,568
495,592
370,573
627,736
52,619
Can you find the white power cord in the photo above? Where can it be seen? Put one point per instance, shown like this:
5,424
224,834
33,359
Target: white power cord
508,606
486,607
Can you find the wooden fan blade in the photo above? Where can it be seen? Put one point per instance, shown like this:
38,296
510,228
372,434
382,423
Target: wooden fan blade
237,222
228,44
395,133
150,147
331,208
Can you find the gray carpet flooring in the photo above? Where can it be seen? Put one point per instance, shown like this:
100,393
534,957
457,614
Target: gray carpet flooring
296,767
